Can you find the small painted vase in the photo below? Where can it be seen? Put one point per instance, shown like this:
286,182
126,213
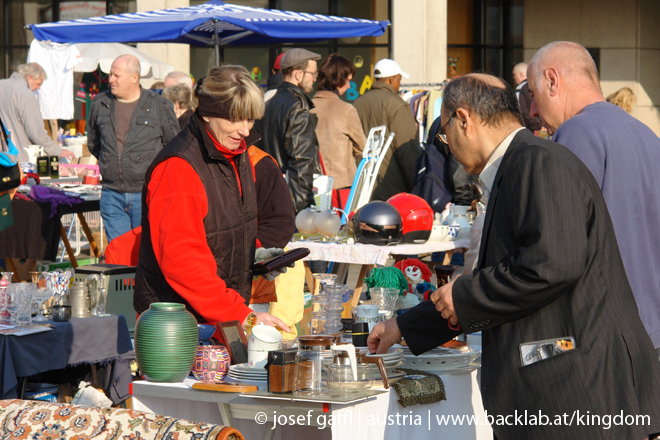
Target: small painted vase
211,363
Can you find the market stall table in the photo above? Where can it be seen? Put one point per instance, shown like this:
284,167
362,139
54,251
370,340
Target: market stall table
368,255
36,236
96,340
375,418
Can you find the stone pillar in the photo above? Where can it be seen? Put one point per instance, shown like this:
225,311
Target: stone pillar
419,39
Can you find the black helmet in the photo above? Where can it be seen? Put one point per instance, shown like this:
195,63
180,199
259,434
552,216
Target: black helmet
377,223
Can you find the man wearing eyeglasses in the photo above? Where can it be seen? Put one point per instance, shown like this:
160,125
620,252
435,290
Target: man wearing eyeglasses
561,332
288,127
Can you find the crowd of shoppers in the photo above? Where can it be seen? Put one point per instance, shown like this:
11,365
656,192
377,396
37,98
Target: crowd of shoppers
558,262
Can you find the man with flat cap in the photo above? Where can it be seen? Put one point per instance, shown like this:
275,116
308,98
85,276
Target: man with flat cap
288,127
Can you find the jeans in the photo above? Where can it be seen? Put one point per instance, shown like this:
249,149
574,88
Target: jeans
121,212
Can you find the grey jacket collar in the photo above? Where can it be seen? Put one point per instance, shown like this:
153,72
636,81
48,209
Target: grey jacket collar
18,77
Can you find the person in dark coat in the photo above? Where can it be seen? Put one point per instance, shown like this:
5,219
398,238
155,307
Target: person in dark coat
288,126
561,332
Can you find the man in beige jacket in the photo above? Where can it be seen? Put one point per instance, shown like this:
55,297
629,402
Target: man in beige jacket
382,106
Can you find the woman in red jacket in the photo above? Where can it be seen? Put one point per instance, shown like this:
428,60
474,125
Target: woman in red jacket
199,207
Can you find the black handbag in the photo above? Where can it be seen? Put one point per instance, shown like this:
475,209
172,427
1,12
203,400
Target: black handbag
10,174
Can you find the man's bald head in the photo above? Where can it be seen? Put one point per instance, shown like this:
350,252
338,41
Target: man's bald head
177,77
519,73
129,63
571,60
124,77
563,79
490,98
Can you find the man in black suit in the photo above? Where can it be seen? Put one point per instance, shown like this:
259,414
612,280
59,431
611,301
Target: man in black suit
549,269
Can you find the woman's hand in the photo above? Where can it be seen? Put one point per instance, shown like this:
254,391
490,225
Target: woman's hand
268,319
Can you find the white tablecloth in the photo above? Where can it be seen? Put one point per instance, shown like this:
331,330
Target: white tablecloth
370,254
382,417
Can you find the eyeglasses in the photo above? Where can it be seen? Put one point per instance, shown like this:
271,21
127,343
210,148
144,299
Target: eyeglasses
441,134
314,74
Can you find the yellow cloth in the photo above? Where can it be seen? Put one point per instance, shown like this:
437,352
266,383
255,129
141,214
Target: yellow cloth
290,298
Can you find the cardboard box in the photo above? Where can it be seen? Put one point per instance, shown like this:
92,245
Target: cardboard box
65,393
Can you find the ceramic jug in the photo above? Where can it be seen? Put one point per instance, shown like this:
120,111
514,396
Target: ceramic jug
211,363
460,219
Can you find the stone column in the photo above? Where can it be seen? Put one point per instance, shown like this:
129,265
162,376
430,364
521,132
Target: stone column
419,39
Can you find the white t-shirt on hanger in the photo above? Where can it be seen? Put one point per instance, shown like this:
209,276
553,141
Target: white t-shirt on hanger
56,93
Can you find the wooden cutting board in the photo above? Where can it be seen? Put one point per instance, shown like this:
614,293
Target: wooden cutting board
226,387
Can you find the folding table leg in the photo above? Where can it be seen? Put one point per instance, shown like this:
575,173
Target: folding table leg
90,237
309,278
22,387
360,282
224,413
67,246
268,435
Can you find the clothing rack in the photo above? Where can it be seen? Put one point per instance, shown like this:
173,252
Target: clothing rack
422,86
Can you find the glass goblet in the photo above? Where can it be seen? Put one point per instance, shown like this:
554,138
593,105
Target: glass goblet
40,296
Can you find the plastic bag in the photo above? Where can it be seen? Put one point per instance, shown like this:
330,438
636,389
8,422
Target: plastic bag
89,396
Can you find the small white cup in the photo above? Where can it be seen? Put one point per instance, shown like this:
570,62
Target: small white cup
263,339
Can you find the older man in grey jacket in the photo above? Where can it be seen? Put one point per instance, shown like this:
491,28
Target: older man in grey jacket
19,110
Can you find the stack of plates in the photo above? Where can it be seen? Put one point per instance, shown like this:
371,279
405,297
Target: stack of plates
244,373
444,360
392,359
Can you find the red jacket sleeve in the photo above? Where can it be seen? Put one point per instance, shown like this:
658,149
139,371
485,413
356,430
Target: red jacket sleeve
177,207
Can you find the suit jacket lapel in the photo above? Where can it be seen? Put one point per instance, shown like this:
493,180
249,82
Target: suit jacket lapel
517,140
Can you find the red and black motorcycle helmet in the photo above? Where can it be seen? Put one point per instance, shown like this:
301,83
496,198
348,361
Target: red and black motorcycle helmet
377,223
417,217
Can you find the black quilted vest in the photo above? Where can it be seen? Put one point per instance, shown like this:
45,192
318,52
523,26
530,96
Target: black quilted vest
230,225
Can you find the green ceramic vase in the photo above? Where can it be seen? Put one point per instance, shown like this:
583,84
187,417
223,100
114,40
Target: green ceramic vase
166,339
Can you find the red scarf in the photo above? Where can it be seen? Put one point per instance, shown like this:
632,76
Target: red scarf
230,155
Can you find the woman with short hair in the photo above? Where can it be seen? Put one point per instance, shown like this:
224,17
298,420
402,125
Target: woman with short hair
199,207
339,131
181,97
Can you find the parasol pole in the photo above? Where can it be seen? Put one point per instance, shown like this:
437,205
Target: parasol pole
217,43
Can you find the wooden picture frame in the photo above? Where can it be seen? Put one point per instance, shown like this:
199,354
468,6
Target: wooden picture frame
233,337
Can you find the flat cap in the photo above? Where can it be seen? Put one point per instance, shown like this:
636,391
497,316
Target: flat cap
297,56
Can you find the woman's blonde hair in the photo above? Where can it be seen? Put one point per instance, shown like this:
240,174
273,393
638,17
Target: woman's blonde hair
624,98
232,86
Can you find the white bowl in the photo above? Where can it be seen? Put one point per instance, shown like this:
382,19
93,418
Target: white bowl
444,232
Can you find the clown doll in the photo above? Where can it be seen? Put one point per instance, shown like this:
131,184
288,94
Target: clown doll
417,275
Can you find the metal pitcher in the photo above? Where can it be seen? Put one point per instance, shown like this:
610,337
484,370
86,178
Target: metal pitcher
98,293
81,302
